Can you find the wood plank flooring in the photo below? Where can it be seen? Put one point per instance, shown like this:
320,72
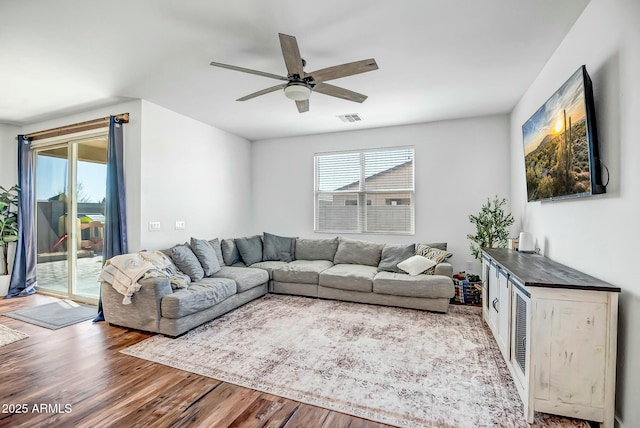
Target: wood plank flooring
76,376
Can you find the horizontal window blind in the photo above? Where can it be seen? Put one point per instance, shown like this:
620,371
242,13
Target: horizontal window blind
368,191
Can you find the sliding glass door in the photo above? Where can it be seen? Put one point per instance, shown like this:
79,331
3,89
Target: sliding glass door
70,184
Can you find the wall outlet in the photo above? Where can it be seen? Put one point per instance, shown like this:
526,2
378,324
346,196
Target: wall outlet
470,264
180,224
154,226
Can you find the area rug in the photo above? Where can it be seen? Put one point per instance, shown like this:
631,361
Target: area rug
9,335
396,366
55,315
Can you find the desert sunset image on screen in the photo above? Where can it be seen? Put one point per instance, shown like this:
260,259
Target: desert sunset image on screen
556,148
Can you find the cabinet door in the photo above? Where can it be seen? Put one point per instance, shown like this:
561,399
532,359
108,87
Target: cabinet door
486,303
504,314
492,286
570,350
520,309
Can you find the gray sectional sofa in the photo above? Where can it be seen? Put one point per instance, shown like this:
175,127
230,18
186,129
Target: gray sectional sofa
337,268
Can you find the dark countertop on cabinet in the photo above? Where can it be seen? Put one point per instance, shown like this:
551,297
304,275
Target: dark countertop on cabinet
535,270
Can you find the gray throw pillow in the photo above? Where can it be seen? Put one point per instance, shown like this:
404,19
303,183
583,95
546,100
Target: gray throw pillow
278,248
206,256
352,251
187,262
215,243
230,254
250,249
394,254
316,249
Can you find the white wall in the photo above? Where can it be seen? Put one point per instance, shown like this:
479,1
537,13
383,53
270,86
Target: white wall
195,173
458,165
8,168
597,235
8,155
132,150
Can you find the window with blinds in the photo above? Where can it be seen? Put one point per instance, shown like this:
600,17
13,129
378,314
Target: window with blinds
366,191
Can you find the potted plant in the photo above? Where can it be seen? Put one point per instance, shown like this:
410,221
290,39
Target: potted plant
492,226
8,231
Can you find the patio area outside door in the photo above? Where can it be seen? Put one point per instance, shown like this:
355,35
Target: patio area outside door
70,188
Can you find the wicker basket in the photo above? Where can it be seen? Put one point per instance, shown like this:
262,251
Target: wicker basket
467,292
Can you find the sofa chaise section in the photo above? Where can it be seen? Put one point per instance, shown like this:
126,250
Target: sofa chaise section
159,309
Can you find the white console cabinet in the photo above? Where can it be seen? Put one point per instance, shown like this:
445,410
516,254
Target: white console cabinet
557,330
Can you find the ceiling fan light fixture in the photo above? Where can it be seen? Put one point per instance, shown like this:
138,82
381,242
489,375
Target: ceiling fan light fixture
297,91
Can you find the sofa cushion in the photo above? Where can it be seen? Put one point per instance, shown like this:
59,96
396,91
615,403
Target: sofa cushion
206,256
278,248
199,296
301,271
400,284
215,243
250,249
316,249
444,269
415,265
349,277
230,254
394,254
353,251
269,266
245,278
187,262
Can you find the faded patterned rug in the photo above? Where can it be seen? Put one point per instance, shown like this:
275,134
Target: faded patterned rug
396,366
9,335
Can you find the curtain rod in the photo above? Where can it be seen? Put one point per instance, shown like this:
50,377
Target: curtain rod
76,127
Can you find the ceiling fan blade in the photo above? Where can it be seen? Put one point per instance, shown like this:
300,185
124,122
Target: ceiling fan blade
247,70
344,70
262,92
335,91
302,106
291,54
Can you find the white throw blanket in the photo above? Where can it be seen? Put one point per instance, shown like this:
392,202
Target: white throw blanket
123,273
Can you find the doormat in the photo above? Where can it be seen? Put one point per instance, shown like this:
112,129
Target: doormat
55,315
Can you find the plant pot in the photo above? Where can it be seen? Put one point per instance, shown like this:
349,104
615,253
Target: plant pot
4,284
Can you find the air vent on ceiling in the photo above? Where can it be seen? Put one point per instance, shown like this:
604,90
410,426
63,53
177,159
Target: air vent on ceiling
353,117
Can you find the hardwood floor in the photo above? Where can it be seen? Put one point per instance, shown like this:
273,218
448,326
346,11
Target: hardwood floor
76,376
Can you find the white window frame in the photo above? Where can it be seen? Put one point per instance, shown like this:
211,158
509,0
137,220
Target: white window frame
361,194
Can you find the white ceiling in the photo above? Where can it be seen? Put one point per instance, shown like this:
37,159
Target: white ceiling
438,59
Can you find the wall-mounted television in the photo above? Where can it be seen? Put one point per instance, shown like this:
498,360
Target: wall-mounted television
561,144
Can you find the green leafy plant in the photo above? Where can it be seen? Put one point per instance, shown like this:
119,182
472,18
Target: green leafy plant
492,226
8,222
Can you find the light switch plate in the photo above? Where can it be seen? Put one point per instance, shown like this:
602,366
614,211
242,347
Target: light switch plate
180,224
154,226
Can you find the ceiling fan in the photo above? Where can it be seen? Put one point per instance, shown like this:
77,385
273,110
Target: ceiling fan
299,84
